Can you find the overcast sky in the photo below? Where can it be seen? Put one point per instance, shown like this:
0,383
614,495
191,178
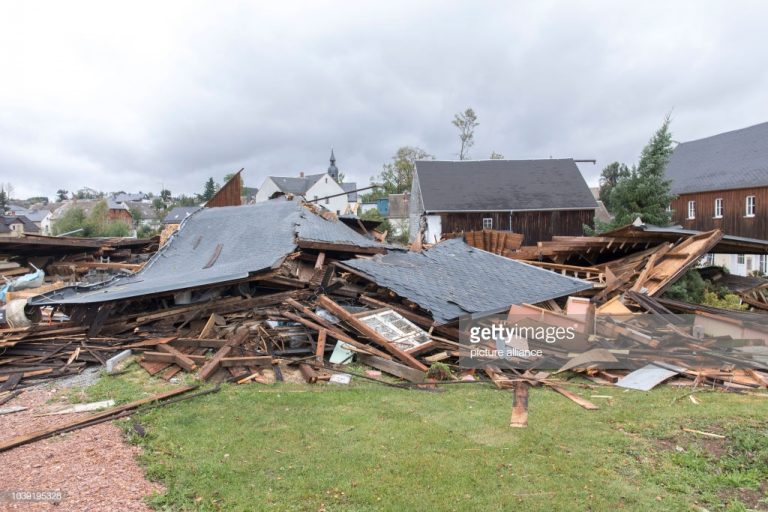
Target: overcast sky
132,95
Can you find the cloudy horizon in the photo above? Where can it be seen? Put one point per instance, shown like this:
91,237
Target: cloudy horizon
142,95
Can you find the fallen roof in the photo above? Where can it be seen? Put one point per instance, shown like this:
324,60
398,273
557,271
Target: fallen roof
502,185
221,245
735,159
728,244
40,245
453,279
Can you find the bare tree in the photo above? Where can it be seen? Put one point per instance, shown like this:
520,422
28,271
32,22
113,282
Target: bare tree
466,122
496,156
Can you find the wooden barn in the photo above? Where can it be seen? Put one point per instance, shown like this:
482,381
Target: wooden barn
721,182
536,198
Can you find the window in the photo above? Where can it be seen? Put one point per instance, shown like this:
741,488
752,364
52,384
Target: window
763,262
691,209
740,259
750,206
709,259
327,200
719,208
487,223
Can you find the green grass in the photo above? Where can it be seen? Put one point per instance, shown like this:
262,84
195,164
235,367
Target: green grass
369,447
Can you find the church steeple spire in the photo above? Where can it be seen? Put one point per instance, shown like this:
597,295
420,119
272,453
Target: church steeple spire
333,171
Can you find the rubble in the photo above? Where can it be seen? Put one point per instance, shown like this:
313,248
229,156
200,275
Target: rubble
284,290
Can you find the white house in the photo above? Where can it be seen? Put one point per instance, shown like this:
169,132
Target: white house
323,187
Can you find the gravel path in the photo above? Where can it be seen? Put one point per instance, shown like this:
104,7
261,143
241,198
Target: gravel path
94,466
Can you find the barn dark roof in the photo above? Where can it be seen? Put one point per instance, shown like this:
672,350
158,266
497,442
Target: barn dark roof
502,185
737,159
453,279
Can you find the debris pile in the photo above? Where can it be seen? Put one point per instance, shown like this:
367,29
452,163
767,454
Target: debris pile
285,290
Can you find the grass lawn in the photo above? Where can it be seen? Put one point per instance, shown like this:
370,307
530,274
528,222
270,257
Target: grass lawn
369,447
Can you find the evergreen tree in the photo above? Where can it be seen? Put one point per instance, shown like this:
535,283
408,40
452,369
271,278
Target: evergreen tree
645,192
210,190
3,201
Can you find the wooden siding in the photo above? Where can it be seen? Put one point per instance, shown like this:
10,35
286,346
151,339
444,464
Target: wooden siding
229,194
536,226
734,222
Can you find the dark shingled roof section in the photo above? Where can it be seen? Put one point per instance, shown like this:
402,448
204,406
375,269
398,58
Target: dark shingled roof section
178,214
503,185
29,226
453,279
737,159
350,187
298,185
253,238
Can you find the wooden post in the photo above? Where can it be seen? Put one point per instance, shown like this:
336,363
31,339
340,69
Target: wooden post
520,406
320,354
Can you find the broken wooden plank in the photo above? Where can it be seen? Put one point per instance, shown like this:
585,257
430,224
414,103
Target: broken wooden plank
520,406
393,368
320,352
369,332
179,358
71,425
583,402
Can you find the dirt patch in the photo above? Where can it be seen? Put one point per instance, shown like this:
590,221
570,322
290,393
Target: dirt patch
94,467
752,499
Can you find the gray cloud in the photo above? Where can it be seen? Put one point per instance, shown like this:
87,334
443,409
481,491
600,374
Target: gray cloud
132,96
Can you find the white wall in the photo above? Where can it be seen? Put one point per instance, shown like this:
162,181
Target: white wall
751,262
266,189
326,186
434,229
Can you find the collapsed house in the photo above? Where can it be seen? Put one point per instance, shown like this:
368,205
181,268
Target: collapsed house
271,280
285,289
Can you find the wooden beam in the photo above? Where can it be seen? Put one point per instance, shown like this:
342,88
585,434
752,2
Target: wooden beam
370,333
320,352
393,368
520,406
213,365
336,334
70,425
180,358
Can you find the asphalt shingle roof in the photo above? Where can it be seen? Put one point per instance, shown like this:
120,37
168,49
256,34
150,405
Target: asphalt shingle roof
252,239
179,213
297,185
737,159
503,185
453,279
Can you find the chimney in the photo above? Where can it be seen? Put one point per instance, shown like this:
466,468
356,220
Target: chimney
301,174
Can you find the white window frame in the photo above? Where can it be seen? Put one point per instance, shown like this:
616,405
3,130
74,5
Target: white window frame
719,208
691,209
750,206
487,222
740,260
763,263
